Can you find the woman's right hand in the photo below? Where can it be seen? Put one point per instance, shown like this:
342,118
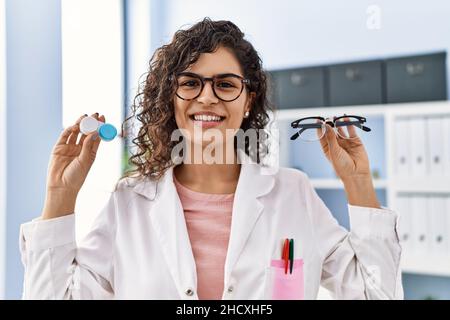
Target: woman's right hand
69,166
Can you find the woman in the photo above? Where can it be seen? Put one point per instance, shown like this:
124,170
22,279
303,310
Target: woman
206,229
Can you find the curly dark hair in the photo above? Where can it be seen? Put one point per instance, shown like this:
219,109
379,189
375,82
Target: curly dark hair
153,105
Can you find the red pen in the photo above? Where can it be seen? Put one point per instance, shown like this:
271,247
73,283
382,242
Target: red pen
286,255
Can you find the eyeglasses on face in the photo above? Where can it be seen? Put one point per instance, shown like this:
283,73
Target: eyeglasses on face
314,128
226,87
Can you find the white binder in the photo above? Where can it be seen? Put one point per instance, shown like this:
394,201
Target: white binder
420,226
438,233
401,147
435,145
446,145
447,225
403,209
418,153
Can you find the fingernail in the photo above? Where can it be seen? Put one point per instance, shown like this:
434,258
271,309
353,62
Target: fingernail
94,136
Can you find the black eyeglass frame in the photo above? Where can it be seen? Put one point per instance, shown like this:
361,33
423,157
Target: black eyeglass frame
244,81
335,123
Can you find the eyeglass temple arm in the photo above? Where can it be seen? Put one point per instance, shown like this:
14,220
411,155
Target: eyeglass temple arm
304,127
297,134
354,123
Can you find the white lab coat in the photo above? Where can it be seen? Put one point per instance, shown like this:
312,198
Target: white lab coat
139,247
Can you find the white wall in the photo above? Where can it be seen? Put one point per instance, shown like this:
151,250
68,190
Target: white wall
2,148
139,38
92,68
304,32
138,42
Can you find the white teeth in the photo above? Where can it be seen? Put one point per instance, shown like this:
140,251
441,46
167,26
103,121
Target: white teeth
203,117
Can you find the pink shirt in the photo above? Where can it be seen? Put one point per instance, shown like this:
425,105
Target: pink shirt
208,221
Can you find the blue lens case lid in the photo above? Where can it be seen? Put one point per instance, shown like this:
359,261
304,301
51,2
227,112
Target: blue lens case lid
107,132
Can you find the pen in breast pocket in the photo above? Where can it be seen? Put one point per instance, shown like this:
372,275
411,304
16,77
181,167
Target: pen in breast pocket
291,255
285,255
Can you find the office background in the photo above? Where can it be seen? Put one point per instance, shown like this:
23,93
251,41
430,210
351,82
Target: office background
60,59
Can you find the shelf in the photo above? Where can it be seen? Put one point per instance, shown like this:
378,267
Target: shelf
337,183
399,109
428,108
292,114
426,265
422,185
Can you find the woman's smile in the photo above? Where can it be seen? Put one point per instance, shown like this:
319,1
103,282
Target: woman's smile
206,119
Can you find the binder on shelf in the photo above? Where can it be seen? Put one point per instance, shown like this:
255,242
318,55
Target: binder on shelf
403,209
420,226
417,130
447,226
402,163
446,145
435,144
438,232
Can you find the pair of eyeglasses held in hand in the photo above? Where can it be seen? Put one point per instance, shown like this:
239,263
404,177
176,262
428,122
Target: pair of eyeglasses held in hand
314,128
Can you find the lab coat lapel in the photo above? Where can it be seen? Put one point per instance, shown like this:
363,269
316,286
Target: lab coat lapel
247,208
168,221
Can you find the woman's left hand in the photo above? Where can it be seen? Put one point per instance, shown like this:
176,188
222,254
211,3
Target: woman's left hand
351,163
348,156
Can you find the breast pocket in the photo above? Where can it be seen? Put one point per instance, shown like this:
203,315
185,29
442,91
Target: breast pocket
284,286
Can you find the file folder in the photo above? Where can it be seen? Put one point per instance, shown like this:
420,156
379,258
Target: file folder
438,232
420,228
446,145
403,209
417,129
435,145
402,156
447,225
